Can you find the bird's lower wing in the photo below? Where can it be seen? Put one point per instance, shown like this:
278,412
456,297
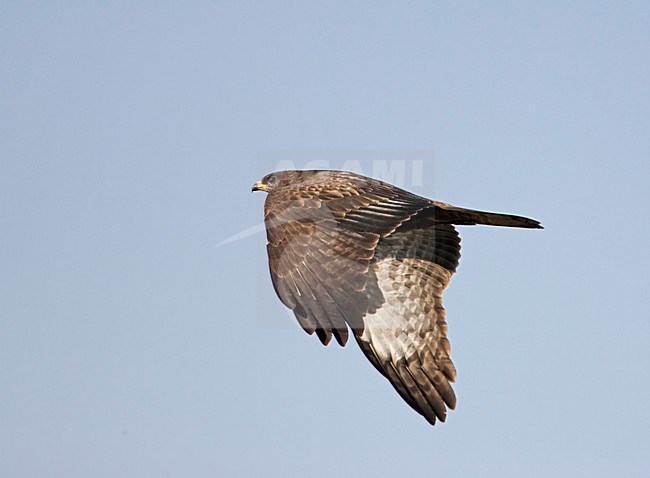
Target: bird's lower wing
406,337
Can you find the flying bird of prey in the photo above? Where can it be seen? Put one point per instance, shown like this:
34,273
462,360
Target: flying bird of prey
351,253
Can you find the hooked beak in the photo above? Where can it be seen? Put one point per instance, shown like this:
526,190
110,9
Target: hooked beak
258,186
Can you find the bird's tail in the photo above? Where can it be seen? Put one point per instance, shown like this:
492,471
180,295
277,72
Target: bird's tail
467,217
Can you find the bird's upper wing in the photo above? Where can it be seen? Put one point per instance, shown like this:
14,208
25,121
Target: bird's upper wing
320,241
406,337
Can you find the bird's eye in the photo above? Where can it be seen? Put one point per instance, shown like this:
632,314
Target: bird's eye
271,180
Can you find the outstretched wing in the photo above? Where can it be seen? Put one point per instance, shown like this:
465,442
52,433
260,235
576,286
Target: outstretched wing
320,241
406,337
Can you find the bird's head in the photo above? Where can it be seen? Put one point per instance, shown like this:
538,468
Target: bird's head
278,179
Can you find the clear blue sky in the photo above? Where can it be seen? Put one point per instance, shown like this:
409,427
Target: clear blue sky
130,135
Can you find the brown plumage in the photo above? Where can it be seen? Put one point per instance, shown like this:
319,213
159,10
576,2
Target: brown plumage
350,252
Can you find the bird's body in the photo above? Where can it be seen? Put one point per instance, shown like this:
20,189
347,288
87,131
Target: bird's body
350,252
